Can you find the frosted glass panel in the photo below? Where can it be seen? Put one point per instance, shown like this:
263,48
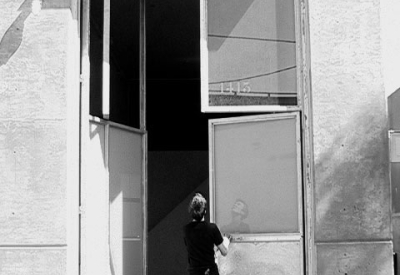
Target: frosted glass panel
133,257
125,171
125,162
132,219
395,179
256,177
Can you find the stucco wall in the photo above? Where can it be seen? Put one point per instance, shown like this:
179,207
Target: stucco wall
352,191
38,121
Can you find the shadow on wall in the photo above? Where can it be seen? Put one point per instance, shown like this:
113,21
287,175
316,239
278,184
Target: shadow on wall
353,194
172,175
167,252
12,38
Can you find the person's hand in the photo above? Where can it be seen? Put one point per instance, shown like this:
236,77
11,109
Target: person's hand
226,241
229,236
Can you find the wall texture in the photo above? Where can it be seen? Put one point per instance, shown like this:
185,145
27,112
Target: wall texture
352,191
37,114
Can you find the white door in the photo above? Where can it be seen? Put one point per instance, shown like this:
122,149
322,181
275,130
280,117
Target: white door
256,192
126,201
114,201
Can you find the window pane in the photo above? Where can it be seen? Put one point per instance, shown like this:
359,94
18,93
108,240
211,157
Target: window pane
133,257
125,168
132,223
96,57
125,62
256,177
251,52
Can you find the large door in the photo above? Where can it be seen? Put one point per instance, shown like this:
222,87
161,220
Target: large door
256,192
114,200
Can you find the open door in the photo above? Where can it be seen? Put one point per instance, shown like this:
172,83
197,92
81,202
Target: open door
114,200
256,192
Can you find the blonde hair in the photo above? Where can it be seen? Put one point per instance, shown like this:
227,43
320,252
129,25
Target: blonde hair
197,207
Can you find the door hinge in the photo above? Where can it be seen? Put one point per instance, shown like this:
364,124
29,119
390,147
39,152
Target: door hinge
81,78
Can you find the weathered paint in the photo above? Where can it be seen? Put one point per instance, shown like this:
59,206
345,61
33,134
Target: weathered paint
396,233
262,258
352,191
39,59
355,259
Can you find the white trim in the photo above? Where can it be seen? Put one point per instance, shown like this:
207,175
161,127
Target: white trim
238,109
84,128
106,60
353,242
144,201
132,239
300,184
115,125
244,119
204,64
237,238
204,56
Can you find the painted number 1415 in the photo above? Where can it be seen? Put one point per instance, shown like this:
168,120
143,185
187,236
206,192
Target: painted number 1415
235,87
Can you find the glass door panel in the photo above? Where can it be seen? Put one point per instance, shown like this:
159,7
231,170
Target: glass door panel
256,166
126,204
256,192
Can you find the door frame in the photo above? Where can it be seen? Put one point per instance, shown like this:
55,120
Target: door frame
144,190
85,117
305,177
256,118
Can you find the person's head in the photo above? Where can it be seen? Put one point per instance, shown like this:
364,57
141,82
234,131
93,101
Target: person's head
197,207
240,208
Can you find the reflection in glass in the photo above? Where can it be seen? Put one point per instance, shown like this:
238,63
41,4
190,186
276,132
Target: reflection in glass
257,162
239,212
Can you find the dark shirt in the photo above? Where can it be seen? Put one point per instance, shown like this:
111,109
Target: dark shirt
200,238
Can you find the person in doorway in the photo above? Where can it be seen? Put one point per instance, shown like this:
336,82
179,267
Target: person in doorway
239,212
203,240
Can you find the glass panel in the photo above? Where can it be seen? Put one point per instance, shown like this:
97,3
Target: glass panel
395,178
256,177
132,224
125,163
251,52
133,257
125,172
125,62
96,57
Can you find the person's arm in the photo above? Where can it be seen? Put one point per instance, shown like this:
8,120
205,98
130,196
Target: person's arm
223,247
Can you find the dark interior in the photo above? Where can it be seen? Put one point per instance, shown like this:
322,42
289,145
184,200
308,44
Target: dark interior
174,119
